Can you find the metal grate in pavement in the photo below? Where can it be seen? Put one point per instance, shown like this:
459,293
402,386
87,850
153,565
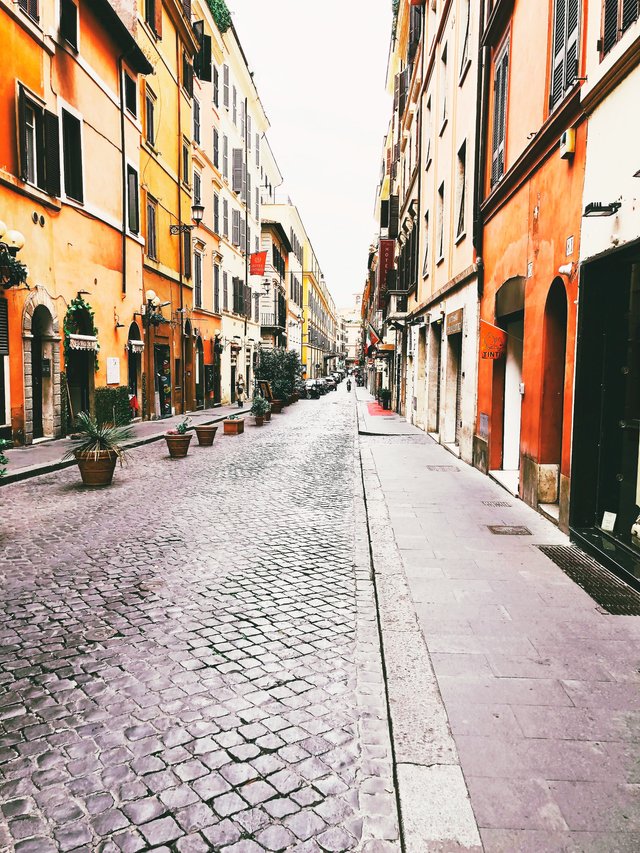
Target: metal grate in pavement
509,530
442,468
612,594
496,503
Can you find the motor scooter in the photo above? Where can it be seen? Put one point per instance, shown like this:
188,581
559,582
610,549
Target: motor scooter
348,385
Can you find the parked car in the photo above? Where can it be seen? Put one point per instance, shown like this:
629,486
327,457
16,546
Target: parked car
331,383
311,391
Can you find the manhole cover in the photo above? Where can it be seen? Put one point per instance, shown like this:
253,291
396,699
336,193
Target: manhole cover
442,468
612,594
496,503
509,530
99,635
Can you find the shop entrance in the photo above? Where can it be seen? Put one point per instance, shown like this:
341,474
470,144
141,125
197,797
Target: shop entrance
605,498
512,396
162,371
199,374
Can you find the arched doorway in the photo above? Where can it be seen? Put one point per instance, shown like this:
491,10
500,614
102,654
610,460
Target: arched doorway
553,377
199,378
41,359
80,363
135,348
41,368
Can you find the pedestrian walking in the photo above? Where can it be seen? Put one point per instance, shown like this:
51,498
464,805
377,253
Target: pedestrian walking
348,384
240,391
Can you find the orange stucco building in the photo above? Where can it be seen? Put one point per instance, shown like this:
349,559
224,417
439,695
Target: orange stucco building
531,212
69,177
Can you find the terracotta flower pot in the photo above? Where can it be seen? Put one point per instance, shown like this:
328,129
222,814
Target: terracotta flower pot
234,427
178,444
96,469
291,400
259,420
267,417
276,406
206,433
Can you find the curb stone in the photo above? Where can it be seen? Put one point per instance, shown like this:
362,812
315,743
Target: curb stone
433,800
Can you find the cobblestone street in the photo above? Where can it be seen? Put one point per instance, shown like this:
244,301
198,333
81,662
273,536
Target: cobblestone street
182,664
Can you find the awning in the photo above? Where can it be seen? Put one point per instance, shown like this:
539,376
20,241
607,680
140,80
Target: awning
83,342
135,346
384,350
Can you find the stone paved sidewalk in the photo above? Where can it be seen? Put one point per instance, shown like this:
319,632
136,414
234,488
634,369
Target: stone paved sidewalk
541,688
45,456
190,659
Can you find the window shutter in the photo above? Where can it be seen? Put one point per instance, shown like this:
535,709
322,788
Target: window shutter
216,288
69,22
186,6
30,7
202,60
4,327
499,117
249,133
225,85
216,86
216,149
132,198
394,215
396,92
610,28
257,149
630,12
72,153
238,169
186,254
235,227
247,301
384,214
216,213
571,54
243,233
158,18
22,135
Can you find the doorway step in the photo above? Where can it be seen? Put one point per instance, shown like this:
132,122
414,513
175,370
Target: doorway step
509,480
550,512
453,448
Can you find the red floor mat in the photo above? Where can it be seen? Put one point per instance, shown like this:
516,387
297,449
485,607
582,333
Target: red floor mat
377,410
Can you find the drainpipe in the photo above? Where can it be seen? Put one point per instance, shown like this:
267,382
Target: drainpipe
484,68
124,175
181,236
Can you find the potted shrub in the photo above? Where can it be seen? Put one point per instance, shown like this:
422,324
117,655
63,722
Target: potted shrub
97,447
384,395
276,406
233,425
206,433
259,408
178,440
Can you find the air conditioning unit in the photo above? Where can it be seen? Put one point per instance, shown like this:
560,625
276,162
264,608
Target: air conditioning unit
568,143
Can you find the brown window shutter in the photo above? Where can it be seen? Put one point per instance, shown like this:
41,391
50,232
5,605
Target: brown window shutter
186,254
158,18
394,215
630,13
610,25
52,153
22,135
4,327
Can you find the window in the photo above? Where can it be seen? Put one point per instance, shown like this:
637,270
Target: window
216,149
441,222
31,124
465,58
225,85
149,109
216,86
461,190
225,291
427,128
133,216
225,218
69,22
444,83
225,157
234,112
185,162
216,213
186,254
564,68
196,121
216,288
130,94
152,235
72,156
197,187
197,279
153,15
618,16
30,7
425,265
500,88
187,75
235,227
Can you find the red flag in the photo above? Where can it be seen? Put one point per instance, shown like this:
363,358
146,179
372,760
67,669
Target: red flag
258,263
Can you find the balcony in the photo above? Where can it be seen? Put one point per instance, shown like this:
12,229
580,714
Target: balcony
273,320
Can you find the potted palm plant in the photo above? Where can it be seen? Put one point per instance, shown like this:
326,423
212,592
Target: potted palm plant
97,447
384,395
259,408
178,440
233,425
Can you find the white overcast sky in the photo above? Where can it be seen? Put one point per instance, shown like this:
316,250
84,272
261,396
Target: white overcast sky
320,71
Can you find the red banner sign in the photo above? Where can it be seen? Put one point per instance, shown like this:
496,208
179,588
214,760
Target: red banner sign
493,341
386,257
258,263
